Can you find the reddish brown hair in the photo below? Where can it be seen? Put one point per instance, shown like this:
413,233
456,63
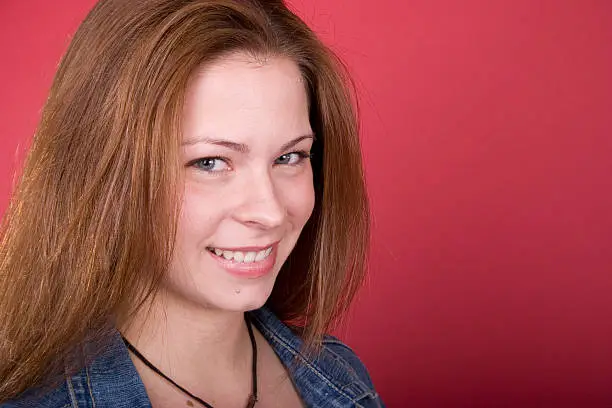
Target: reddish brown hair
91,225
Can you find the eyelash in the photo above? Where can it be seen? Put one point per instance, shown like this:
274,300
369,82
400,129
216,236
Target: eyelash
302,155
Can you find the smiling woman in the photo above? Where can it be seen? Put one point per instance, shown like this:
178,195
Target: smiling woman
198,171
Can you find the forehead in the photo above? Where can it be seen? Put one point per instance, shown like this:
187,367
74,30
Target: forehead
239,96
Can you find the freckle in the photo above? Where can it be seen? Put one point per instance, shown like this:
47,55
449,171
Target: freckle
189,403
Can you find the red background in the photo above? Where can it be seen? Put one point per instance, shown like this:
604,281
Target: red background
487,136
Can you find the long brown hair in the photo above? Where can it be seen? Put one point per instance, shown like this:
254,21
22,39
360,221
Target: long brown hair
89,232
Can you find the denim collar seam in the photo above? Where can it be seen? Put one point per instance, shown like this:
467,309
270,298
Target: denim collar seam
93,401
281,341
364,390
73,398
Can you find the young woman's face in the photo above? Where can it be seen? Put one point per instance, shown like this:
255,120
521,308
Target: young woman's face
248,181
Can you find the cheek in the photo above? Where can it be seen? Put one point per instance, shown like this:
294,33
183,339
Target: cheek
299,198
198,217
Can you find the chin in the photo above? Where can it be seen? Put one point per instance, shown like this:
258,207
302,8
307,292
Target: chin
246,300
233,296
253,297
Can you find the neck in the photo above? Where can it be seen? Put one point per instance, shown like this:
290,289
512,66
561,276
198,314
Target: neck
190,343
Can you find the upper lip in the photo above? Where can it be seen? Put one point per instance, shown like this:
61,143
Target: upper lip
245,248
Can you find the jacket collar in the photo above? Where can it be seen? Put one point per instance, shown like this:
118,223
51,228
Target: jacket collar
325,376
325,379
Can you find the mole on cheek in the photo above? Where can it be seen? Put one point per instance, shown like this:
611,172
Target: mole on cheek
189,403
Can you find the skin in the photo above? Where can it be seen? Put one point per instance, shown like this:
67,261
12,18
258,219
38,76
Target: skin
250,190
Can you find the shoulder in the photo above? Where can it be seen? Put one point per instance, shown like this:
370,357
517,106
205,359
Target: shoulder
335,353
335,374
34,397
110,380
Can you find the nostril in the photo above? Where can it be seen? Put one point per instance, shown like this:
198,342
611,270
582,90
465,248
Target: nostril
266,214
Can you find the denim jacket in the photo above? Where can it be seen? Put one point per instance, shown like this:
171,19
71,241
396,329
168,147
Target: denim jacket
335,378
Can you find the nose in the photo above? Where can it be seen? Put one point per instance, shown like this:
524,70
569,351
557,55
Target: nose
261,205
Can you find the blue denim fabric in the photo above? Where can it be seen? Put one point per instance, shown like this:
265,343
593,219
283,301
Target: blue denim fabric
335,378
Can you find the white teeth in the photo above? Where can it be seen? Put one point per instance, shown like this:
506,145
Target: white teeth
260,255
238,256
243,257
250,257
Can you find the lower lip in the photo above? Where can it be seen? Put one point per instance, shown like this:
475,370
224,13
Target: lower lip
249,270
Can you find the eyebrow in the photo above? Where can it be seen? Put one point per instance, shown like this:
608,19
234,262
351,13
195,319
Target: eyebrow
241,147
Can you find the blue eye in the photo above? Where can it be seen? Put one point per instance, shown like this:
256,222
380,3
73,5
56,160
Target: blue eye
211,164
293,158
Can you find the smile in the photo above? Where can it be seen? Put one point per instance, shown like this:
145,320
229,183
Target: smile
251,262
242,256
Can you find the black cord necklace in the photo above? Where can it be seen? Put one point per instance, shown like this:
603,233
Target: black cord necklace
252,397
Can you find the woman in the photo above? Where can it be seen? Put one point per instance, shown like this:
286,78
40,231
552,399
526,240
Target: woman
192,217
